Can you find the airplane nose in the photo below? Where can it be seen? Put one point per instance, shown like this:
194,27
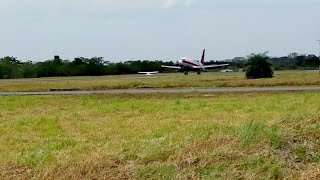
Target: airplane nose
180,61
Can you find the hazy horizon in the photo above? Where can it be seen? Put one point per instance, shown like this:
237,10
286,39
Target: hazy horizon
121,30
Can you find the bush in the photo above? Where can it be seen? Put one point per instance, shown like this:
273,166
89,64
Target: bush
258,66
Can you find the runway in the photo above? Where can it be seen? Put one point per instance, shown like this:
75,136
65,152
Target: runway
164,91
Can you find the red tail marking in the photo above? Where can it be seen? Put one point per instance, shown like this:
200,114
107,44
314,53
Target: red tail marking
203,55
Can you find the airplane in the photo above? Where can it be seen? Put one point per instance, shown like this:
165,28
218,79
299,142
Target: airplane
186,65
149,73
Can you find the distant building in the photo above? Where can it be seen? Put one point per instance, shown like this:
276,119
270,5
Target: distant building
239,59
226,70
56,57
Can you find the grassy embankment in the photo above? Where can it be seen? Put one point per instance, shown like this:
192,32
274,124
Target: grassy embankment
174,80
173,136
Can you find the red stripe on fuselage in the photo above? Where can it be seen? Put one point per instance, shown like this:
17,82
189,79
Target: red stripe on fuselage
190,63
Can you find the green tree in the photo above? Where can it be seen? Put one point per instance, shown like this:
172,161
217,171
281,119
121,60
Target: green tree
28,70
10,68
258,66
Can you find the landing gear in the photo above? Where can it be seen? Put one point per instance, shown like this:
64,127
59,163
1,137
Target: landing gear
199,73
186,73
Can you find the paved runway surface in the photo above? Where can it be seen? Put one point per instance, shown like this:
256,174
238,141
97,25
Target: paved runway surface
155,91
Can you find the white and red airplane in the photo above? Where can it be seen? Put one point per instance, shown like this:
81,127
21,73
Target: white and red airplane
186,65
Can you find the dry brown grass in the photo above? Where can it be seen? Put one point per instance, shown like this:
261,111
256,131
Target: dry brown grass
175,80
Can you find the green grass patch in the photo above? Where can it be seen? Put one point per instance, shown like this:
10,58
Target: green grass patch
177,136
258,131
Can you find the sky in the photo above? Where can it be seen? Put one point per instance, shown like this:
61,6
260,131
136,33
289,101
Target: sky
121,30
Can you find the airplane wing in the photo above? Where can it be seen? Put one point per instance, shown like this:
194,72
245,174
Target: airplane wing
172,67
152,72
214,66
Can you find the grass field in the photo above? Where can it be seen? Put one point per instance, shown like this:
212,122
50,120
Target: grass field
174,80
226,136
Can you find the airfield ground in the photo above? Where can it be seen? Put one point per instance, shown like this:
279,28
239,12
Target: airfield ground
172,136
173,80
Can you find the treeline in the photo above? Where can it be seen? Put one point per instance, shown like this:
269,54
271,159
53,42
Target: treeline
11,68
296,62
293,61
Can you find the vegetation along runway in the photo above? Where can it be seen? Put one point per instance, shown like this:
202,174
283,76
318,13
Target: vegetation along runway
150,131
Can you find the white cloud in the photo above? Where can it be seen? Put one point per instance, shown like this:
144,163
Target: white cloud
175,3
170,3
188,3
45,7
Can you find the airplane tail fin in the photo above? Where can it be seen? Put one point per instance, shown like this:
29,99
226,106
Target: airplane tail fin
203,55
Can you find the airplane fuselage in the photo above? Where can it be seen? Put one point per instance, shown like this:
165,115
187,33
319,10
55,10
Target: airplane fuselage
190,65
